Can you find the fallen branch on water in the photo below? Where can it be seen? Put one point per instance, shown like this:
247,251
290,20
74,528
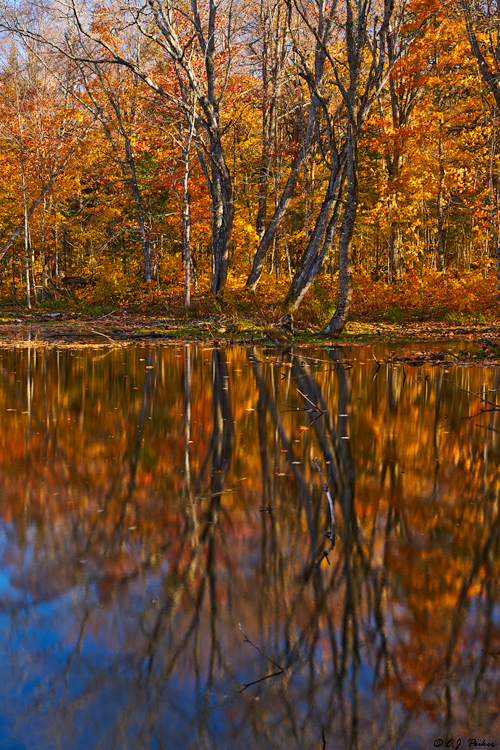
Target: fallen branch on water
267,676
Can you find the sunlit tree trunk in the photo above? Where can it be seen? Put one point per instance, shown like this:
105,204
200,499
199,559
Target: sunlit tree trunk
494,208
326,15
320,241
186,208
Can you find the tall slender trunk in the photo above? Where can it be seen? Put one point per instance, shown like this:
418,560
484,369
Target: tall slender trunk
223,217
323,36
395,251
56,250
280,210
186,210
26,258
14,294
138,206
341,315
42,242
494,210
32,264
26,230
439,205
23,190
265,160
320,241
135,188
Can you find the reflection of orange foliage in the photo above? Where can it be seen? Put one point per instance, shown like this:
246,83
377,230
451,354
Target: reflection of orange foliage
69,480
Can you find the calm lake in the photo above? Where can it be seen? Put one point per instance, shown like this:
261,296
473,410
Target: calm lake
165,579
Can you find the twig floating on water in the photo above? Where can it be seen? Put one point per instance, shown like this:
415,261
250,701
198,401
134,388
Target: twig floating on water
267,676
484,400
316,408
105,335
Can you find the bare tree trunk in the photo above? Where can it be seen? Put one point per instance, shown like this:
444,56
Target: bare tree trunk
32,265
223,216
42,242
56,250
138,204
395,251
494,209
320,242
186,209
14,294
26,258
322,38
490,15
339,319
274,52
113,99
279,213
23,189
439,205
265,161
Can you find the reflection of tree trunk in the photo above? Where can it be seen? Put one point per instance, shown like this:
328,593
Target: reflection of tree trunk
223,428
270,403
436,418
221,441
323,426
492,397
350,634
344,444
187,418
138,441
263,451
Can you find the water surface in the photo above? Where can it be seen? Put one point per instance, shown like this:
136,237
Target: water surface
165,578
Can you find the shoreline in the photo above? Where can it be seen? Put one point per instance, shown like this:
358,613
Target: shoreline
124,328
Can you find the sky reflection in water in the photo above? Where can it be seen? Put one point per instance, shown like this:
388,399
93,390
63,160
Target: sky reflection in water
161,542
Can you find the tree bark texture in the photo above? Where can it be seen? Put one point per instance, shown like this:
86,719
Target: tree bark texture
320,241
339,319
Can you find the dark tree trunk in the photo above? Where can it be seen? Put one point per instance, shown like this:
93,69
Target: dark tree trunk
222,220
339,319
395,251
323,34
138,205
320,241
268,236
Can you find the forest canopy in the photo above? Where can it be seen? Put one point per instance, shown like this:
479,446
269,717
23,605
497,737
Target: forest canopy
318,148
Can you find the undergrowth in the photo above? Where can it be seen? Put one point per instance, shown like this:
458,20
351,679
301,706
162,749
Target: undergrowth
453,298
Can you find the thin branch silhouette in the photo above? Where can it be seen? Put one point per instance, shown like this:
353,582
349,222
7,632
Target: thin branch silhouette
329,534
267,676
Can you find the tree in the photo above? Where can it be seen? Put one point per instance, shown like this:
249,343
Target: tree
482,23
196,41
362,54
325,18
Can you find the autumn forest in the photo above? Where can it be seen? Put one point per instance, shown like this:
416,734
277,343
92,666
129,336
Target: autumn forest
337,152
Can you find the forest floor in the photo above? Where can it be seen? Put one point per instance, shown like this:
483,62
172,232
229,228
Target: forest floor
478,344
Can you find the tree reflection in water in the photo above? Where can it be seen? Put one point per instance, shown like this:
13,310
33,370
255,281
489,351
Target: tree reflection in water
159,504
